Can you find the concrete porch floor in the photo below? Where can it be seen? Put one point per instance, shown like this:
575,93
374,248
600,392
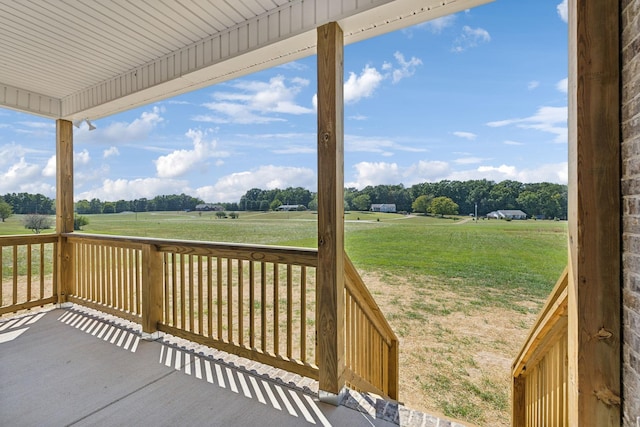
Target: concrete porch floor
76,366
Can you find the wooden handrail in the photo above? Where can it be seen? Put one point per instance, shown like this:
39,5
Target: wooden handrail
372,359
539,372
550,315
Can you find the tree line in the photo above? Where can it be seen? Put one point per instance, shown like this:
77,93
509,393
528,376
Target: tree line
539,199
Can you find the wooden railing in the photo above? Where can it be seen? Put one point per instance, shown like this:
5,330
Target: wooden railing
254,301
27,271
258,302
371,345
540,369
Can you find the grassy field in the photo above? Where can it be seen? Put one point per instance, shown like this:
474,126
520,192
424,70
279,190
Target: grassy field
461,295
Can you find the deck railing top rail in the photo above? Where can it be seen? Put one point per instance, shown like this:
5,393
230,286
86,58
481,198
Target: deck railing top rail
297,256
552,312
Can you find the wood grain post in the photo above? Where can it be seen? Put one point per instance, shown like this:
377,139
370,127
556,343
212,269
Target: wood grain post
64,207
594,214
152,274
330,272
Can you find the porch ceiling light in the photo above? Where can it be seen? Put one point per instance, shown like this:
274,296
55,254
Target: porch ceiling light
77,124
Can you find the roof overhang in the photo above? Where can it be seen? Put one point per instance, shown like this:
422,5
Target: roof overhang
90,59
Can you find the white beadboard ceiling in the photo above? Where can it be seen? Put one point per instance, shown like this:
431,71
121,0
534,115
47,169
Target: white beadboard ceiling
76,59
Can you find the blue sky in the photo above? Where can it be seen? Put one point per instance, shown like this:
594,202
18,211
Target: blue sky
479,94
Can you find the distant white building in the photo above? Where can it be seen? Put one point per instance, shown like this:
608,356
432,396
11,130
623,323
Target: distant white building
383,207
208,207
288,208
507,214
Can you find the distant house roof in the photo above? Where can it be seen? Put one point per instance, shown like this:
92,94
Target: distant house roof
507,213
290,207
208,207
383,207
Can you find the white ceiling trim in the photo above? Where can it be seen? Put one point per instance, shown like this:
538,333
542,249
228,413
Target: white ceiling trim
280,34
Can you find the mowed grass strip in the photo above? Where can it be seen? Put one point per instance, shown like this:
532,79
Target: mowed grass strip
461,295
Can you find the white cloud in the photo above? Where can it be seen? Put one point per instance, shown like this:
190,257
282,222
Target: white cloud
179,162
356,143
232,187
121,132
563,11
533,84
81,158
361,86
376,173
256,102
509,142
406,69
24,177
553,172
469,160
50,168
112,190
547,119
437,25
470,37
111,151
563,85
467,135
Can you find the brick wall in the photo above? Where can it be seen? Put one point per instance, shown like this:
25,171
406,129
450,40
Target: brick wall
630,44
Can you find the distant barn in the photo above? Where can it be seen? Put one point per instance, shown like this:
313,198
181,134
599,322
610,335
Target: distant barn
287,208
507,214
383,207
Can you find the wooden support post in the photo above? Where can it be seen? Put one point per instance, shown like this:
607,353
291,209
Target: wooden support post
594,214
330,271
152,273
64,207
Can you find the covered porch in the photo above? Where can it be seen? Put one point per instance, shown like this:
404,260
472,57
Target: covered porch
256,301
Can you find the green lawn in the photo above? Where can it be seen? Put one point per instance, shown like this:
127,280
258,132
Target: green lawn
461,295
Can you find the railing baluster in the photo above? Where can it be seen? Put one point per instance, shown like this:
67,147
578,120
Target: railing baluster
229,299
209,296
29,271
15,274
240,303
303,313
1,276
276,310
182,293
219,295
42,272
191,295
289,311
252,302
263,307
200,296
174,289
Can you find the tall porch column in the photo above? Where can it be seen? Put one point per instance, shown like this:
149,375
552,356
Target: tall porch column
64,206
330,272
594,214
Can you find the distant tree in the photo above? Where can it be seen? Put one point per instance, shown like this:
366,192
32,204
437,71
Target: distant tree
443,206
79,221
37,222
83,207
5,210
361,202
264,205
234,215
313,204
275,204
221,214
109,207
421,204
